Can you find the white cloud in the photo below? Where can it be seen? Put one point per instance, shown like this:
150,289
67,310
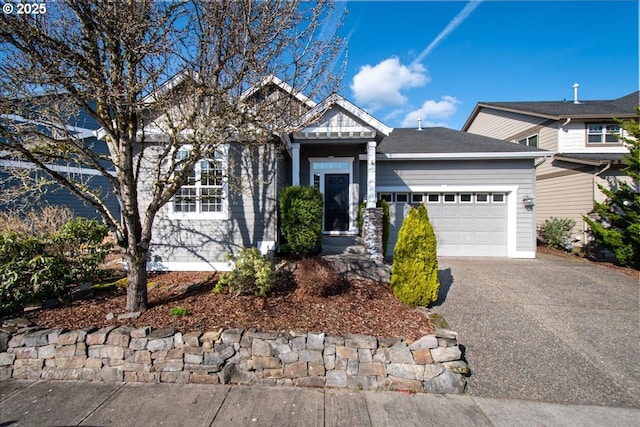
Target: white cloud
380,85
433,113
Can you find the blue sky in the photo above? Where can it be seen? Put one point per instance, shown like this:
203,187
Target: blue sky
438,59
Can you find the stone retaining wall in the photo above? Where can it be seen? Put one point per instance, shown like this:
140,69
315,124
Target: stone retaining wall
431,364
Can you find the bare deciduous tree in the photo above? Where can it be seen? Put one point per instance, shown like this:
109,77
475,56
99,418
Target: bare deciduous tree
155,75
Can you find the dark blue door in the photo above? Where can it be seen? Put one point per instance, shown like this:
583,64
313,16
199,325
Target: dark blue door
336,202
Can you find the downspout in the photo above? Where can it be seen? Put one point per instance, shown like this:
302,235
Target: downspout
594,186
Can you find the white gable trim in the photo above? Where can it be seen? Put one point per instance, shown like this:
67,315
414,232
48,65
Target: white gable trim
335,99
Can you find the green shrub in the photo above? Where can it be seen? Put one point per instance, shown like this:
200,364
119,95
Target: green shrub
386,221
414,273
556,232
28,272
179,311
252,273
301,219
35,268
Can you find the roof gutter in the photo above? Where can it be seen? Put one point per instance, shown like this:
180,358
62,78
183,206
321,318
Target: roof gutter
463,156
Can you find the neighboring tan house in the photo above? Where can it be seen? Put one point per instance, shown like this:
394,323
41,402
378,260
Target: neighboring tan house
582,134
478,190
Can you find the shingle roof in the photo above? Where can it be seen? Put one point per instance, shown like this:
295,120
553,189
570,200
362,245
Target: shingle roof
442,140
621,107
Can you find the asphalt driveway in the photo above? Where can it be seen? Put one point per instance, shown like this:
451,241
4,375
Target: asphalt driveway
548,329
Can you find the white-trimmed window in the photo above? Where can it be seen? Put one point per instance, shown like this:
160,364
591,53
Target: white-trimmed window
482,198
530,141
204,193
449,198
387,197
497,197
433,198
416,198
603,134
402,198
466,198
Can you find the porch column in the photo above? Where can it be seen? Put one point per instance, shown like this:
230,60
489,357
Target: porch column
295,163
371,174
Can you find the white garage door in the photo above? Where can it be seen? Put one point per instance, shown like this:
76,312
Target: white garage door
466,224
469,224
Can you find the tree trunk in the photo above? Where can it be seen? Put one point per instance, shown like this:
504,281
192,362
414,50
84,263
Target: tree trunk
136,280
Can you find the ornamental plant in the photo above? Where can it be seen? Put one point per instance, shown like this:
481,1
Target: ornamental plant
301,219
617,226
556,232
252,274
414,272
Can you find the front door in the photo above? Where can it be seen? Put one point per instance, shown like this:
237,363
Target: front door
336,202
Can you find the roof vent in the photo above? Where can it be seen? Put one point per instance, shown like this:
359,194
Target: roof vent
419,123
575,93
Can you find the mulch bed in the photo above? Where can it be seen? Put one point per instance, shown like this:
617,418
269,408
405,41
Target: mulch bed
360,307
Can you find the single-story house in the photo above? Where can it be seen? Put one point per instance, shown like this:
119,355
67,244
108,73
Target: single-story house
480,192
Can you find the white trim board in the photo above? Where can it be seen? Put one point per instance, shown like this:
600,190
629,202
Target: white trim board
189,266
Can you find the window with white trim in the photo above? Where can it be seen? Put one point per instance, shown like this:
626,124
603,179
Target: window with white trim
416,198
603,134
449,198
482,198
402,197
203,193
530,141
497,198
433,198
466,198
387,197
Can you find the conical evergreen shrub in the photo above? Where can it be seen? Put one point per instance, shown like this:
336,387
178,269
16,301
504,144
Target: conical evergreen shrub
414,273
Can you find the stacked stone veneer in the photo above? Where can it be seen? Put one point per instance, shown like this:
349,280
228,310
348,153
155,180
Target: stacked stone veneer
431,364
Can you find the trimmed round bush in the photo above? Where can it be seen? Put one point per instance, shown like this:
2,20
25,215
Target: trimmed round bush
414,273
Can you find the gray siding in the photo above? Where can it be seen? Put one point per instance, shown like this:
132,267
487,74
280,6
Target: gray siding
56,195
251,216
469,174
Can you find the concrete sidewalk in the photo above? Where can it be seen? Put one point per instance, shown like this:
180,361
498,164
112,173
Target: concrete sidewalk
56,403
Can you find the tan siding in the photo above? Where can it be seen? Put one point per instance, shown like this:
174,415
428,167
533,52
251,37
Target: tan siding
569,196
502,124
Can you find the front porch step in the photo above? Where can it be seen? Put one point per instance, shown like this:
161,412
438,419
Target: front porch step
349,257
334,245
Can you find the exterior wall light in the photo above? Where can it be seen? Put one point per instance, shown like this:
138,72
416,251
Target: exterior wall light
528,202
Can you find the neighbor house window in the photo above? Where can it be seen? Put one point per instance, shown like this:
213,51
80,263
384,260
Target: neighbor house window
530,141
603,134
203,192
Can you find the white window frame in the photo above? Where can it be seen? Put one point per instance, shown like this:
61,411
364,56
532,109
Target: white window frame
466,194
493,198
438,197
527,141
401,195
444,197
223,150
607,129
482,201
388,197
